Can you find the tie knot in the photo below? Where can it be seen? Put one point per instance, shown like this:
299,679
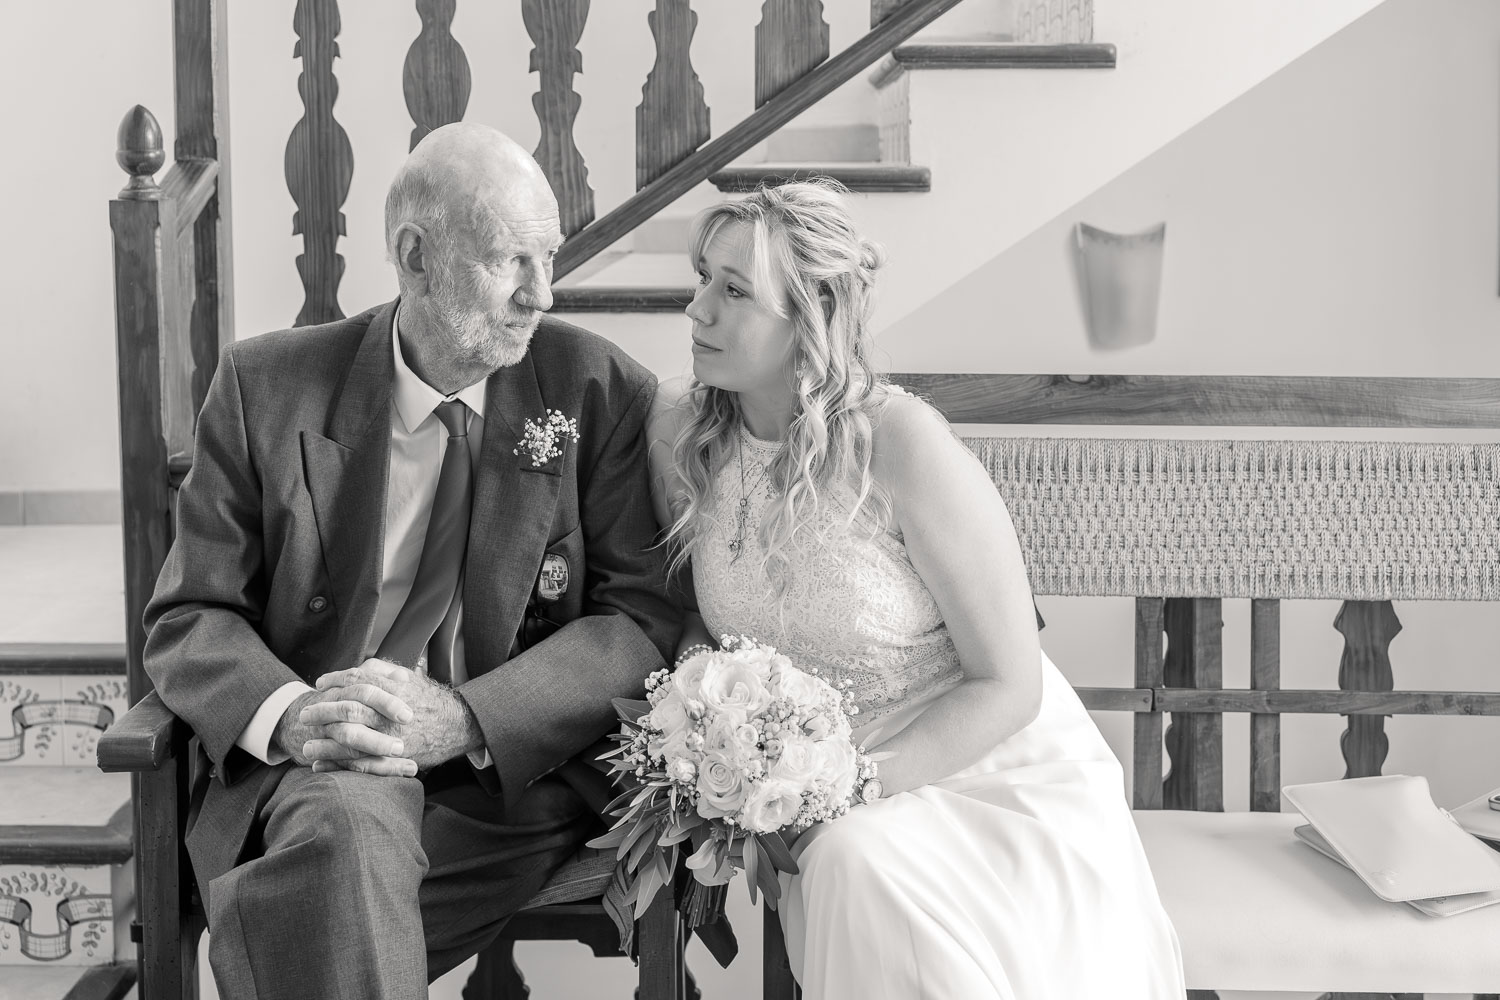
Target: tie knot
455,416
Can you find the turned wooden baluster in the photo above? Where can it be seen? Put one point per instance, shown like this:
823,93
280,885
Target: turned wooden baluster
1195,659
319,163
555,26
790,39
671,121
200,43
1368,628
436,77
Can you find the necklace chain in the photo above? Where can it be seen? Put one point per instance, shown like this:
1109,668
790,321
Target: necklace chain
742,512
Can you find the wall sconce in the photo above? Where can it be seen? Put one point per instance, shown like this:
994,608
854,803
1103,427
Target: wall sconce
1119,277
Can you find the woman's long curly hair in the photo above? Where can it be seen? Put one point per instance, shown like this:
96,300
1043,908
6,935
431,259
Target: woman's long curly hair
804,240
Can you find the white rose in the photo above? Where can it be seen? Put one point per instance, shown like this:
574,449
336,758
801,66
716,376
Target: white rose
771,806
721,787
670,715
682,770
736,689
687,680
798,763
799,687
837,765
734,740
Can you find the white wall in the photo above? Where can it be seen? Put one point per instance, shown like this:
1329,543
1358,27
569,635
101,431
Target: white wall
1342,218
69,88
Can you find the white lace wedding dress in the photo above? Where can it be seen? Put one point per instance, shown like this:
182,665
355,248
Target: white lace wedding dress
1019,877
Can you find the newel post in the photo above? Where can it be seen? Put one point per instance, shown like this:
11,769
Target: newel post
144,237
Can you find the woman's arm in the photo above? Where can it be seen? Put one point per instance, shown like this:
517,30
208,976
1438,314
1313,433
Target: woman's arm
662,426
960,538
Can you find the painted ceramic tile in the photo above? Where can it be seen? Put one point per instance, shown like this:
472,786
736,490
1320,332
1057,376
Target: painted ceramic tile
31,732
56,915
90,706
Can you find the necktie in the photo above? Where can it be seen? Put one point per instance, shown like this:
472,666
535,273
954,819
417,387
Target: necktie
434,592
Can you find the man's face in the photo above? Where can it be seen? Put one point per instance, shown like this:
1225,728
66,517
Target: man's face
495,282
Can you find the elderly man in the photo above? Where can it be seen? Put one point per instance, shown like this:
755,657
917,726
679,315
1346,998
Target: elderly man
436,512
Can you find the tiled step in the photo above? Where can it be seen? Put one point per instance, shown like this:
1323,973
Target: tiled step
864,177
99,982
992,55
66,893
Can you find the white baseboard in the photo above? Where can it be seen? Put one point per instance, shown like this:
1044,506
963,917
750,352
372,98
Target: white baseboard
19,507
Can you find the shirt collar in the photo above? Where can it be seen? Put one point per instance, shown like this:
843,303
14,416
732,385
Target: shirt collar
415,399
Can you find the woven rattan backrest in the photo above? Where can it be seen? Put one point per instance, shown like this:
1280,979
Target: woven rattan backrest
1240,518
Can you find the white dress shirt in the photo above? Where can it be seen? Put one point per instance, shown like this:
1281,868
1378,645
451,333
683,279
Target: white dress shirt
418,440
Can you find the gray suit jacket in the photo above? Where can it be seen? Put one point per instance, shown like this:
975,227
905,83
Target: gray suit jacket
275,571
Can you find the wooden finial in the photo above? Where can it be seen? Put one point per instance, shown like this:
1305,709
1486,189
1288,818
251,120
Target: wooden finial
140,154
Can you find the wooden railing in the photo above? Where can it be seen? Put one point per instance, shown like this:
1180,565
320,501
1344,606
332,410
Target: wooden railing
1186,677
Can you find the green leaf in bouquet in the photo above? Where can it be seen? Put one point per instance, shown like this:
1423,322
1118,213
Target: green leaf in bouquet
752,866
765,873
640,833
704,856
647,887
630,710
639,848
618,803
613,838
673,836
779,853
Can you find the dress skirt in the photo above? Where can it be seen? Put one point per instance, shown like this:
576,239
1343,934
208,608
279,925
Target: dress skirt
1019,877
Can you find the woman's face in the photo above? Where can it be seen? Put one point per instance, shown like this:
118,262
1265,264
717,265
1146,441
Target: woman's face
739,343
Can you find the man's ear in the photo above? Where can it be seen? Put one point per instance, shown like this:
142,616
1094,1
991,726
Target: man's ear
411,256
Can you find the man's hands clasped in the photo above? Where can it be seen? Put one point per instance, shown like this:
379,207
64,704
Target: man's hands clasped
379,718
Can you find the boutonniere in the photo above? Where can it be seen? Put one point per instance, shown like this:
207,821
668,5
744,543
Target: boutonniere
542,440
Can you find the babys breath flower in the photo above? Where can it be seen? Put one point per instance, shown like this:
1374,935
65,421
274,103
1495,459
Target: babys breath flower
542,440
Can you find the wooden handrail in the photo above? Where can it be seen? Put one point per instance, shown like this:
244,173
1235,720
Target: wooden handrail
895,29
189,185
1211,400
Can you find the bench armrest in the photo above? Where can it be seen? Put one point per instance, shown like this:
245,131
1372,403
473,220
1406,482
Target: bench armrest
144,739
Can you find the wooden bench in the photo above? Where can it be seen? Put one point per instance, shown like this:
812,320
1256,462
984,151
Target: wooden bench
1182,525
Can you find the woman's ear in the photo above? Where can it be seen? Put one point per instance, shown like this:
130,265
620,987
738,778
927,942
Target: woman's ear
825,299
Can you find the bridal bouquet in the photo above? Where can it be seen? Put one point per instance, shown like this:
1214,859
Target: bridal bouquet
735,747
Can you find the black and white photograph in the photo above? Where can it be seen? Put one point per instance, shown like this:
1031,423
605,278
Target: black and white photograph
750,500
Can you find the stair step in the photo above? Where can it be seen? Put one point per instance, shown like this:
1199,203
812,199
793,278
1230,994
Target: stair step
854,176
62,658
992,55
615,299
53,982
64,816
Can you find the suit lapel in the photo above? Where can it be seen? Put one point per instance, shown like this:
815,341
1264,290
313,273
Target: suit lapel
512,519
347,471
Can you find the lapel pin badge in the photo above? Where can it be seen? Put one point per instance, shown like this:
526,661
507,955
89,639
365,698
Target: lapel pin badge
552,581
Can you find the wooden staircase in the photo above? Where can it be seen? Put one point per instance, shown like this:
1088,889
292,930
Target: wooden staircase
66,881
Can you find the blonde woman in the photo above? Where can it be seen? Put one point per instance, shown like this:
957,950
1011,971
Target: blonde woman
839,519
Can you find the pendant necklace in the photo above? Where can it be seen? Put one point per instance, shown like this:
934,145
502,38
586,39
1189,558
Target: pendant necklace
742,513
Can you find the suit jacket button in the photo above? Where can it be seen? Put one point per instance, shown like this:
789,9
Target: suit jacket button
317,604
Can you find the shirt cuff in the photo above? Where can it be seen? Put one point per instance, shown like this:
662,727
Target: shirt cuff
480,758
256,738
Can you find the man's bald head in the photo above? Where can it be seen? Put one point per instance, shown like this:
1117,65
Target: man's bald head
463,181
472,227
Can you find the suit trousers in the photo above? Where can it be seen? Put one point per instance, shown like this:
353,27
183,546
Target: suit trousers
371,887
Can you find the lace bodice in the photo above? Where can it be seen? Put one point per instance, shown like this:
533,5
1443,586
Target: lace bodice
855,608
